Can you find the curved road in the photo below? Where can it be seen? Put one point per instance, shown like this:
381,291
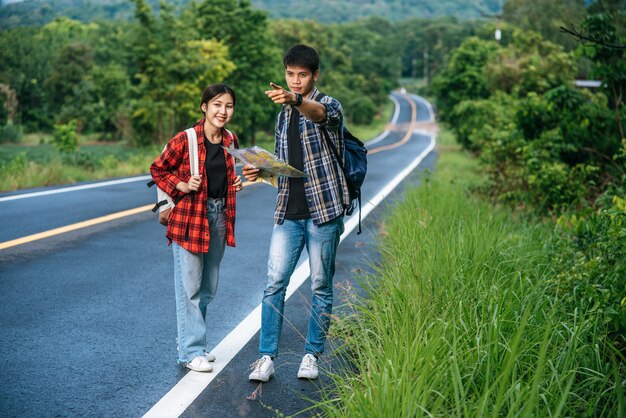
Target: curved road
87,310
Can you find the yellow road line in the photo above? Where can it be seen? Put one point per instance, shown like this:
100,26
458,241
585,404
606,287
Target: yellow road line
118,215
406,137
80,225
73,227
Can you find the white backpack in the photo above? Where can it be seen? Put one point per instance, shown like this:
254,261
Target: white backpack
164,202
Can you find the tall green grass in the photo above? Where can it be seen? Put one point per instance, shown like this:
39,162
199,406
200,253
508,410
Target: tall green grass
459,320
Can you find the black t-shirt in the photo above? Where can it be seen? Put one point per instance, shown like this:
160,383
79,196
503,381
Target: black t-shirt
296,203
215,164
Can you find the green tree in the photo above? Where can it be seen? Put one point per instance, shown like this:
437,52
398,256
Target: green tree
464,78
24,63
243,30
9,104
360,63
609,59
614,8
111,96
530,64
546,17
69,69
480,121
27,57
171,71
426,44
374,55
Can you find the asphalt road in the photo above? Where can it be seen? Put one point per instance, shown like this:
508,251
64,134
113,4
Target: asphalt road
87,317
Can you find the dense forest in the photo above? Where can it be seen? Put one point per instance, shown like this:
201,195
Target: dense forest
38,12
140,80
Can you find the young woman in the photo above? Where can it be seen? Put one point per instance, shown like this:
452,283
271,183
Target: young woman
203,220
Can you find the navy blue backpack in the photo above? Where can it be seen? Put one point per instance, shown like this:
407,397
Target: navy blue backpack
354,166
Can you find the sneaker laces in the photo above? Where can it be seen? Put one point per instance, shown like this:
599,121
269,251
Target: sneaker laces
308,362
256,366
198,360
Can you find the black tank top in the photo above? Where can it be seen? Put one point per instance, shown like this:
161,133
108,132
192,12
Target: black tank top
215,164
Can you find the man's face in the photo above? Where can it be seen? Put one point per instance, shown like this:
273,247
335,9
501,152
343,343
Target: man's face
300,79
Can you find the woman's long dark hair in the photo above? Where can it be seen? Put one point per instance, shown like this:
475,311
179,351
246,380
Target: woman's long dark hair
215,90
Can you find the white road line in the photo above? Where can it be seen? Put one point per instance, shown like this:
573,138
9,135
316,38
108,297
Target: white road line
178,399
394,119
396,111
74,188
431,113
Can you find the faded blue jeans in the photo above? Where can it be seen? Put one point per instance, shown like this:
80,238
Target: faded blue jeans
195,278
287,242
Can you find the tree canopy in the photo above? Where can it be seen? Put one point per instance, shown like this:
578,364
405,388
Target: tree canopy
326,11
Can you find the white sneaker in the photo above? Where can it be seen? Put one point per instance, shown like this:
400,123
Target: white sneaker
308,367
209,356
262,369
199,364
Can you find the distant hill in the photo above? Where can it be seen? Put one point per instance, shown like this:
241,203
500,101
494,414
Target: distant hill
346,10
37,12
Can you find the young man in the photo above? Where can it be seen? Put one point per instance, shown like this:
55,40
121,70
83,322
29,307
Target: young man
309,211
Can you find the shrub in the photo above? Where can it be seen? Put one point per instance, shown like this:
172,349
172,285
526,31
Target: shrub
590,249
10,133
477,122
361,110
14,166
65,137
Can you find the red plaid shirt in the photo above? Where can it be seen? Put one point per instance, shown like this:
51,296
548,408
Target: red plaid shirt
188,224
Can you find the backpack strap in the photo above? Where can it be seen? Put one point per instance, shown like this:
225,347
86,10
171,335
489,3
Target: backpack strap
192,141
332,147
326,136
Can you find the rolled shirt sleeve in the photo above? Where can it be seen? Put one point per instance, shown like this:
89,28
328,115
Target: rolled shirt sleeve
334,112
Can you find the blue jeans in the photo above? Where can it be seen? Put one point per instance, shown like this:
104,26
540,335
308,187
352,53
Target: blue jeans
286,245
195,278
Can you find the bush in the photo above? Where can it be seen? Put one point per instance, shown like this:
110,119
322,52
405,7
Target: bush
10,133
15,166
590,249
65,137
361,111
477,121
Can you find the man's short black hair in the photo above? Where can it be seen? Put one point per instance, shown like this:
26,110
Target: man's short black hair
302,56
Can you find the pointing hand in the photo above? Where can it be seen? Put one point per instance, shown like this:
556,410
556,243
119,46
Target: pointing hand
279,95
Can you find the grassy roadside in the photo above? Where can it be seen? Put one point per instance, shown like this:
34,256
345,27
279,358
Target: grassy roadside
27,167
460,319
377,125
35,163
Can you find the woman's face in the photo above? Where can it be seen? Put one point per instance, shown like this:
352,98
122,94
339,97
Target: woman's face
219,110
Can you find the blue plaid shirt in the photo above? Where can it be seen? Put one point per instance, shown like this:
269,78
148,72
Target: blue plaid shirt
325,187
